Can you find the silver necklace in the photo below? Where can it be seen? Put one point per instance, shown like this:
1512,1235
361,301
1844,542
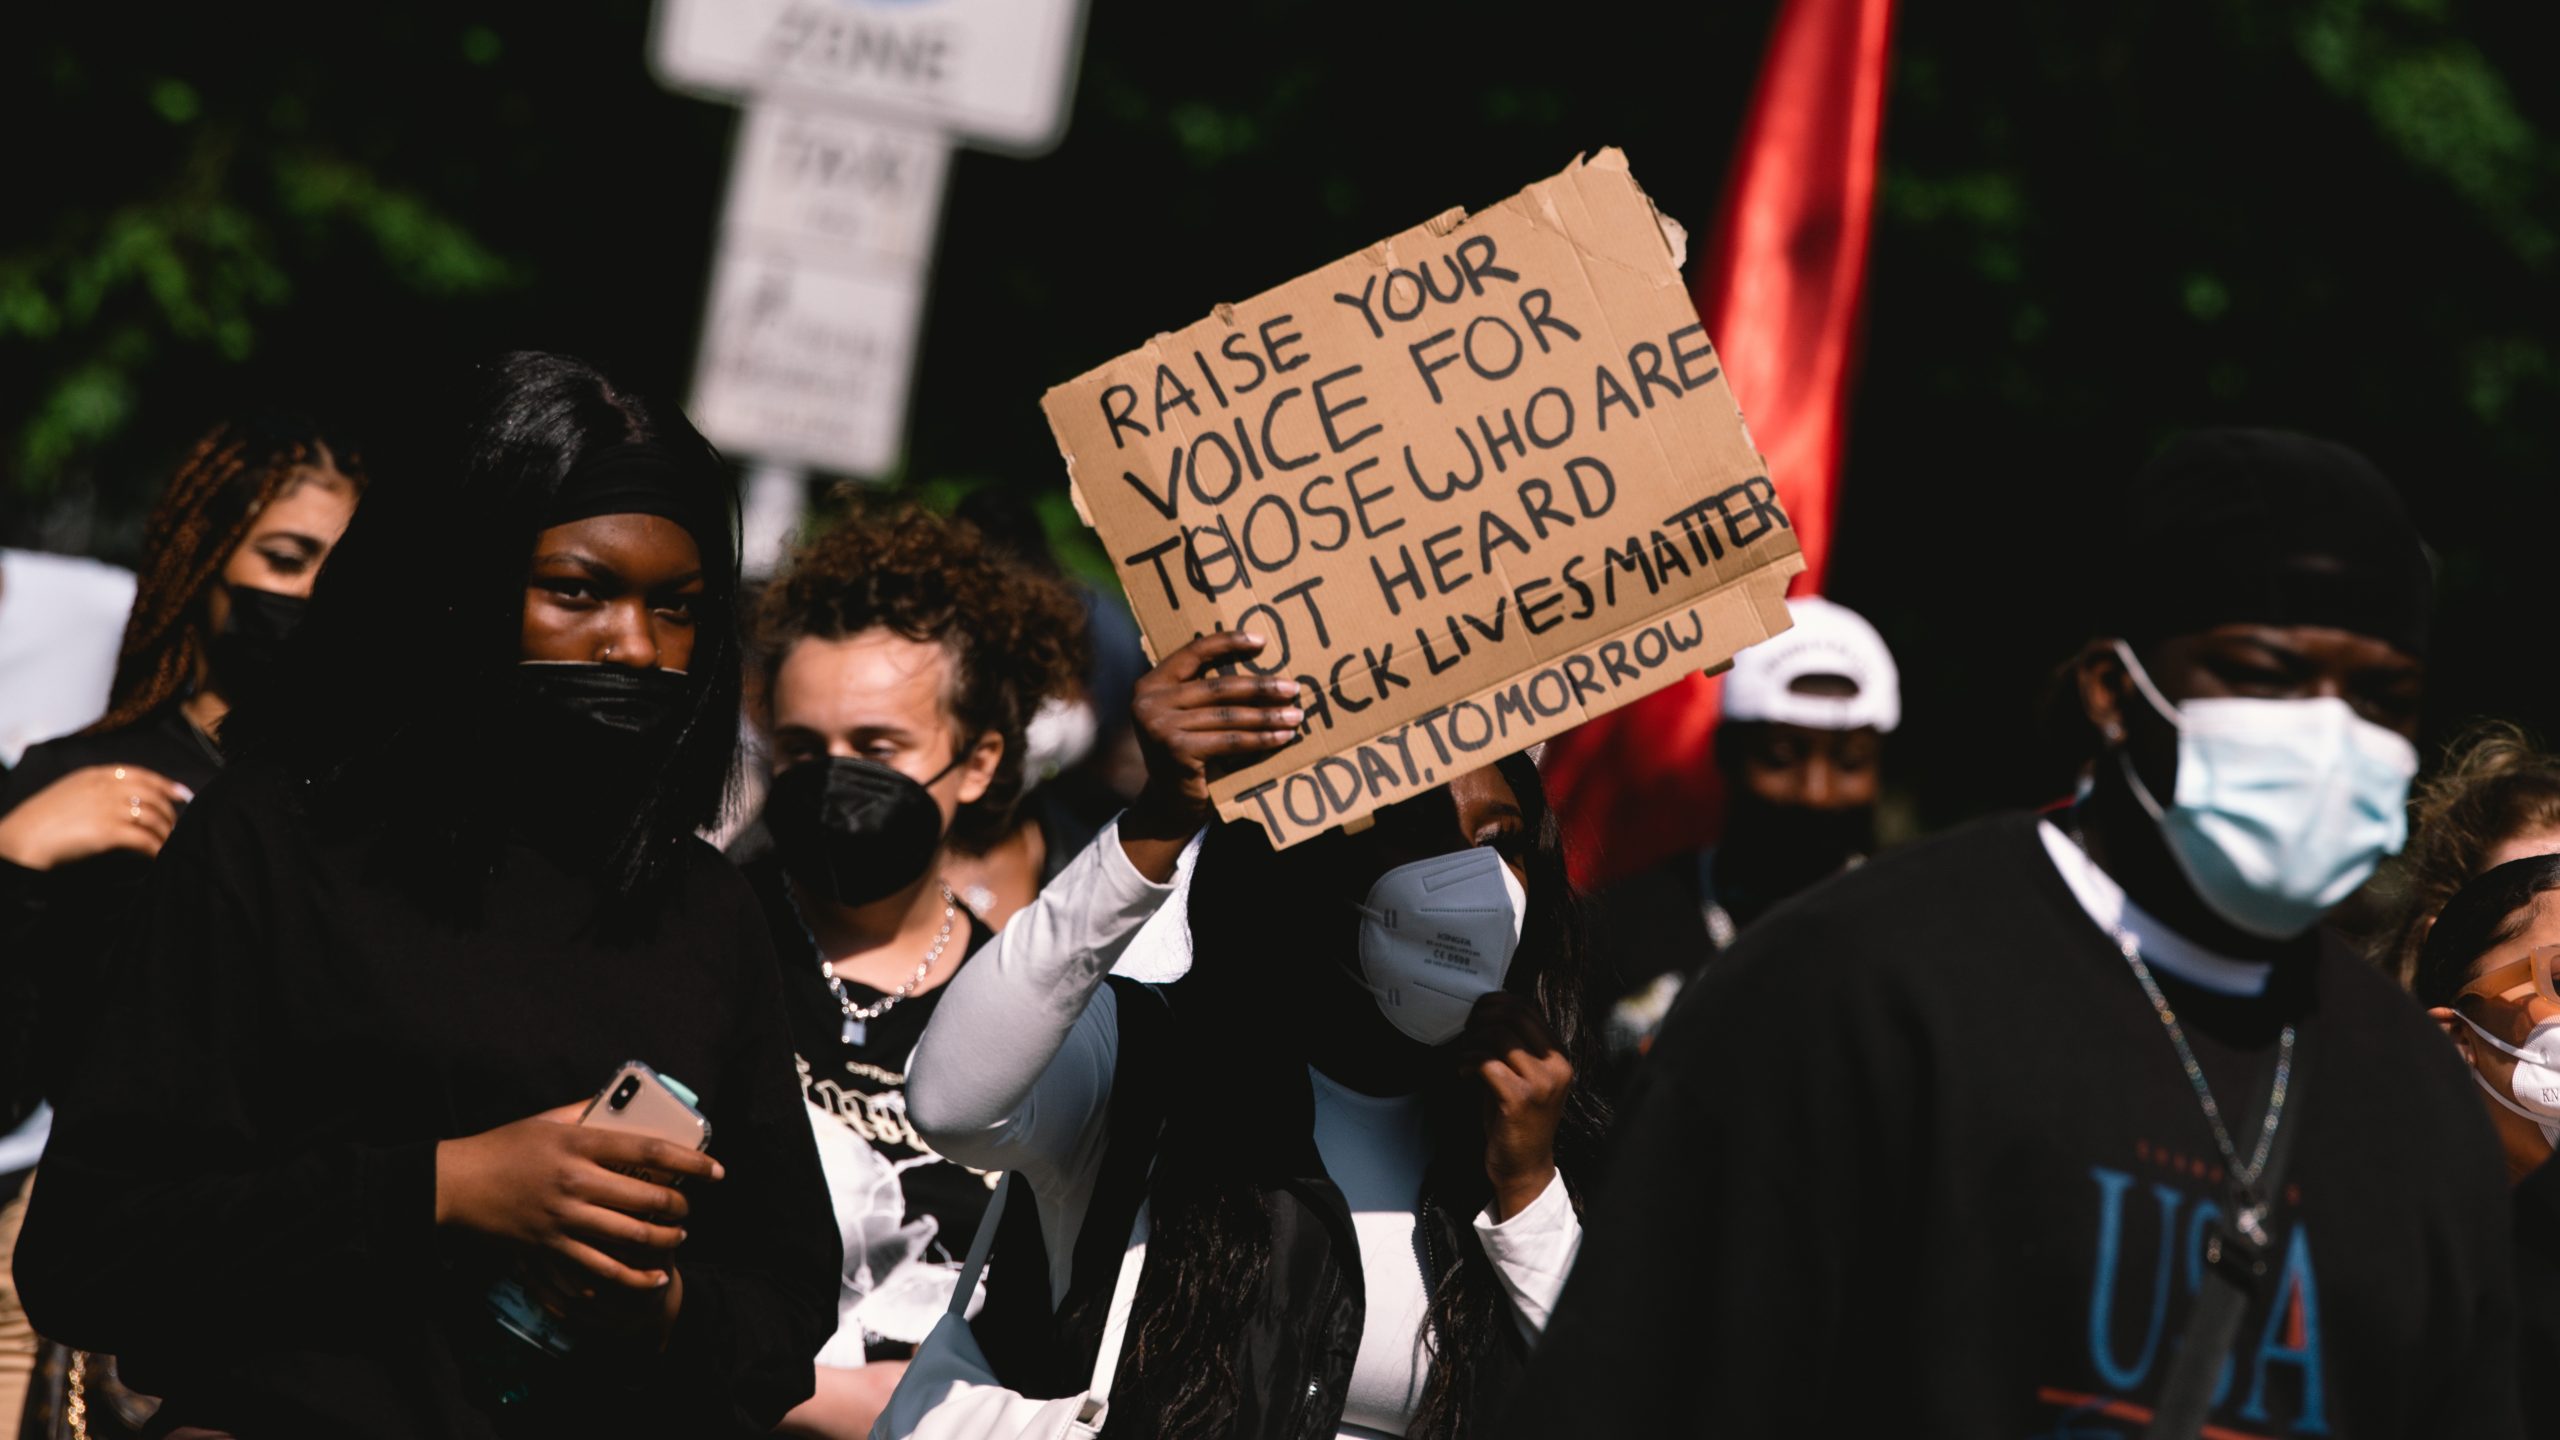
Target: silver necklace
857,1018
2251,1215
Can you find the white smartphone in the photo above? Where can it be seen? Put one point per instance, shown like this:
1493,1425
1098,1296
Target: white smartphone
644,1102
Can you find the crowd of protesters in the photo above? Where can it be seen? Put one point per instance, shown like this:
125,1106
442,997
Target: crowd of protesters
380,847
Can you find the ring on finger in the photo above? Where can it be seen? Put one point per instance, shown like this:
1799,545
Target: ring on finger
133,808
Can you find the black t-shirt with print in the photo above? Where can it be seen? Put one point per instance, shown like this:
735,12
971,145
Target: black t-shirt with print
863,1082
1916,1157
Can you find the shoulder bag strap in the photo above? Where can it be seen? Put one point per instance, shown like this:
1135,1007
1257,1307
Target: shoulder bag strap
1124,1295
2234,1271
979,1245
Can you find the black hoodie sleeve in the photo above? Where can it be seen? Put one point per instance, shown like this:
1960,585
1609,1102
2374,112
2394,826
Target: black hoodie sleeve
763,1273
165,1195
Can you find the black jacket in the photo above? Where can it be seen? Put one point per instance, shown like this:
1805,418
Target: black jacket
239,1196
57,926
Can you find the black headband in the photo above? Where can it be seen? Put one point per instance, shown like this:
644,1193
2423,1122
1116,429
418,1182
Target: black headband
637,478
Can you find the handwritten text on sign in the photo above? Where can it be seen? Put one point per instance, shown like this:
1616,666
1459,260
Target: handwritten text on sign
1476,484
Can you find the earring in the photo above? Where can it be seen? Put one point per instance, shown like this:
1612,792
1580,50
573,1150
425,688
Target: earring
607,655
2115,734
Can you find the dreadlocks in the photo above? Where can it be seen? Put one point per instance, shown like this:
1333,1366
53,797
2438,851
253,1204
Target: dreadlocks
231,475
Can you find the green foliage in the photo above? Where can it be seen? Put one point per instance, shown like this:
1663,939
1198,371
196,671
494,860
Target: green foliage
2442,104
253,214
418,246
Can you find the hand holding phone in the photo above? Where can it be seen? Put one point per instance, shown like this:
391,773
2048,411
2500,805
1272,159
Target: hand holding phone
580,1190
640,1101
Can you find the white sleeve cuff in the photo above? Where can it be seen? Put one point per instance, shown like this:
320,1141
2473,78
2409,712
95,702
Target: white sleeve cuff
1127,885
1533,1251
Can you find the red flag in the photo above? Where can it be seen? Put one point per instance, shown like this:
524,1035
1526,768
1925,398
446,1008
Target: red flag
1780,292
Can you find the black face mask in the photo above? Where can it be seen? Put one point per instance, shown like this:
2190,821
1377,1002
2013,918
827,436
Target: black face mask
1773,851
852,830
249,649
587,744
622,699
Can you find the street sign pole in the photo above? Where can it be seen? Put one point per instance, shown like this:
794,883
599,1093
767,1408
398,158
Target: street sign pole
773,501
835,191
818,289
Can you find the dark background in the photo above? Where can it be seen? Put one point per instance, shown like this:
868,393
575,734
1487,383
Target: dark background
2099,224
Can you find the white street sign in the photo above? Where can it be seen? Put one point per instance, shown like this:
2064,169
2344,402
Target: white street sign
818,290
837,187
806,364
995,72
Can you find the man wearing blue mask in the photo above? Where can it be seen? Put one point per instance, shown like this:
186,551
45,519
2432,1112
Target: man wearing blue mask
2078,1123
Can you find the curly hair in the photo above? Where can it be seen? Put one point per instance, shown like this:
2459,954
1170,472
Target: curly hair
239,468
1015,635
2495,784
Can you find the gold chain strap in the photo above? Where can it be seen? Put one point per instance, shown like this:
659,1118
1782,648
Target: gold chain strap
75,1402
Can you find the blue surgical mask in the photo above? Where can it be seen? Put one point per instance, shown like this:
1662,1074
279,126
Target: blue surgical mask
2283,807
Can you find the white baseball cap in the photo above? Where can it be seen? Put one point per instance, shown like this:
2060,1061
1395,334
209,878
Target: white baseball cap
1826,639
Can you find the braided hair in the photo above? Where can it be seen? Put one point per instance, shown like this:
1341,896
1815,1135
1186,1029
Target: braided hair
240,467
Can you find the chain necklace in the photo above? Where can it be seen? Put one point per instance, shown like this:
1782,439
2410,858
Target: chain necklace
857,1018
2251,1217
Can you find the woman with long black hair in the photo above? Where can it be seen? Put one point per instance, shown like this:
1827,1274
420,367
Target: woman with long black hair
1350,1121
321,1174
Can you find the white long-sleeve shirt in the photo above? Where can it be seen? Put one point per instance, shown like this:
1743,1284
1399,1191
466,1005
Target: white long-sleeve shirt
1373,1149
1015,1072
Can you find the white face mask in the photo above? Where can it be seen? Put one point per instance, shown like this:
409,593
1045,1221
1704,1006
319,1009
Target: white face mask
1437,936
1060,734
2283,807
2536,1079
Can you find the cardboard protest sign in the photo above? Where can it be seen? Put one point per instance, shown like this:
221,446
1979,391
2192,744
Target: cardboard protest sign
1475,484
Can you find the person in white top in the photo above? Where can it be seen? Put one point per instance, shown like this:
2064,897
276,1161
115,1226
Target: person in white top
1351,1119
61,619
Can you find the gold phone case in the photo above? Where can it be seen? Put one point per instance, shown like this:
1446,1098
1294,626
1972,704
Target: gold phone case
637,1099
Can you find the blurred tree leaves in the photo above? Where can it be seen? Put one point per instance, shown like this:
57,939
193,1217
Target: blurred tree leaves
2438,101
292,204
170,247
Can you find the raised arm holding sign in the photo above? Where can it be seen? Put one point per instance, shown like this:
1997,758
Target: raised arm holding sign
1475,484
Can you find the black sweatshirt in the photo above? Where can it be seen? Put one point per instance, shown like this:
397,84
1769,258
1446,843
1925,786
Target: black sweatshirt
1917,1158
239,1195
57,926
2538,1297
